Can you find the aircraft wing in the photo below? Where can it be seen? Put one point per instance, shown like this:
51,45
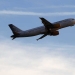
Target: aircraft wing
46,23
49,25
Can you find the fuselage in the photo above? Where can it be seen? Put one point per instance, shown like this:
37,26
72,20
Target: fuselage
42,30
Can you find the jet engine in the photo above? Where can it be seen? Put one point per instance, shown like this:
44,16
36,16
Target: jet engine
54,33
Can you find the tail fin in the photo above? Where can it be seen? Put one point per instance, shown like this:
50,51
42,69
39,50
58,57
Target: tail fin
15,30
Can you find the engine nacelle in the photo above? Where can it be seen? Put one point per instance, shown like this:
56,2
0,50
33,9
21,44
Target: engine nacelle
54,33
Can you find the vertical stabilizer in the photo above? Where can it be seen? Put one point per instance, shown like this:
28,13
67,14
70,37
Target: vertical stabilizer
14,28
16,31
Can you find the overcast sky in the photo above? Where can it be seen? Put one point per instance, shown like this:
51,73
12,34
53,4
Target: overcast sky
26,56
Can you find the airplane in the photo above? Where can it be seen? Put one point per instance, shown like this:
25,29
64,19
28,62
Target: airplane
48,28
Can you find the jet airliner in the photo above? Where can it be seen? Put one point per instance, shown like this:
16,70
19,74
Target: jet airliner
48,28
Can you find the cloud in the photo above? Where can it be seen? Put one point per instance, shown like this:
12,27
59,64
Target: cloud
61,6
9,12
28,59
48,7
